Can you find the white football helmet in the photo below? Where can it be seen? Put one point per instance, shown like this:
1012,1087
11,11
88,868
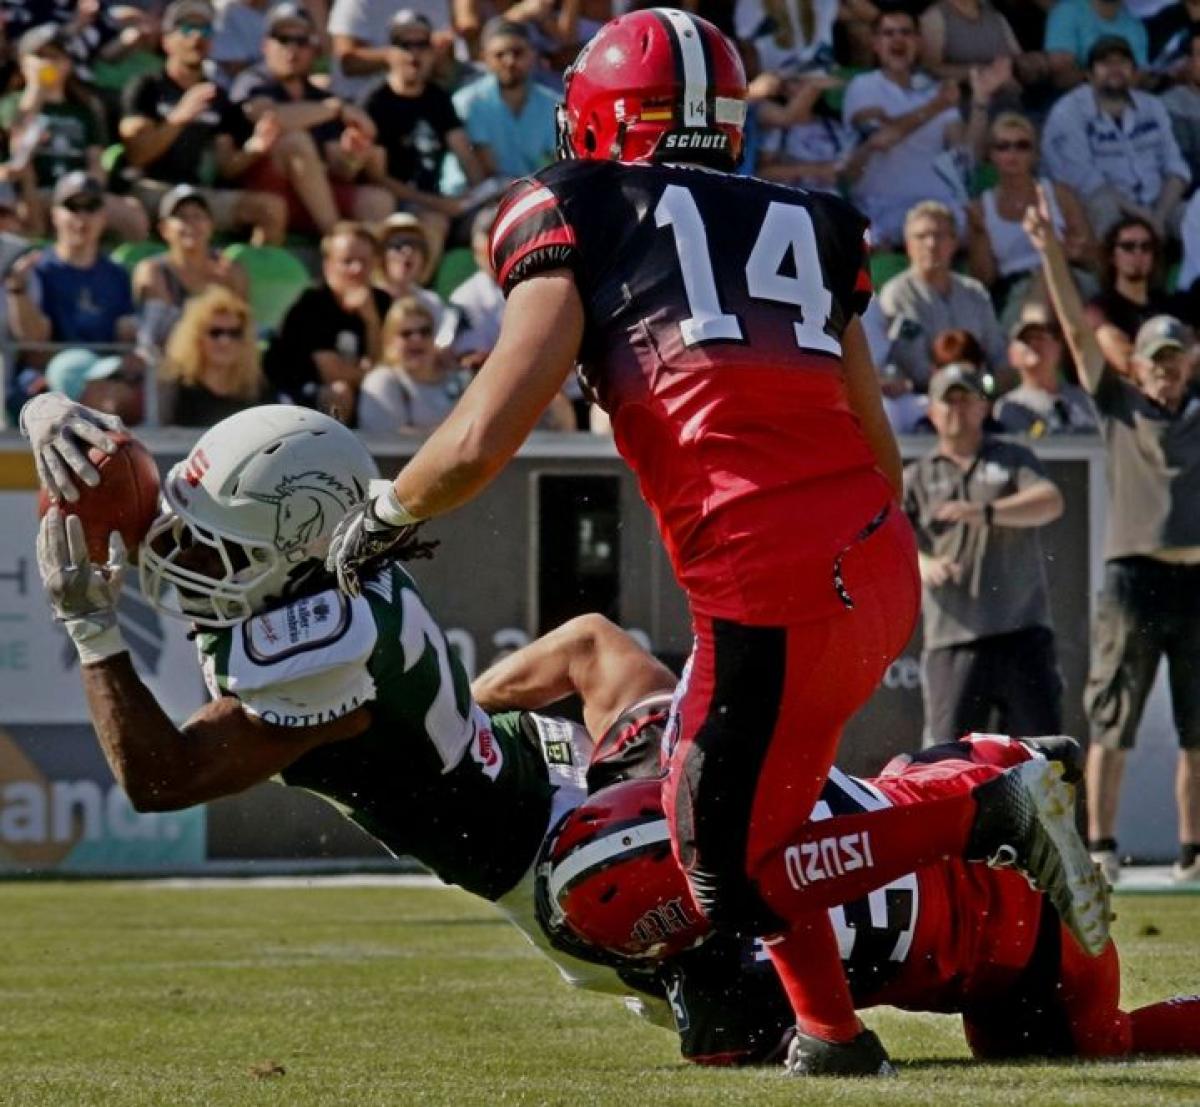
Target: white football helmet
248,514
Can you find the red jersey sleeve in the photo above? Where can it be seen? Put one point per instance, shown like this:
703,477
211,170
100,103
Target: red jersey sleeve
531,235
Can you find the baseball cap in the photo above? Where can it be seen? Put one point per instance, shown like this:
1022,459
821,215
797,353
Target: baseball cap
1163,332
1107,45
288,13
70,371
181,194
406,18
500,27
1033,314
181,11
958,374
403,221
74,184
38,38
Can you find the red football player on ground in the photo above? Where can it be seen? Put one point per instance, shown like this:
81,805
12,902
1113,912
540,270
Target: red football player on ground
716,318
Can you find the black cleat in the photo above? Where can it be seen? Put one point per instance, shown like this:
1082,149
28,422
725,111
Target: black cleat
1026,820
861,1056
1061,748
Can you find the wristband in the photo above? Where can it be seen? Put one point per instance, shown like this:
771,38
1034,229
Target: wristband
989,514
96,637
387,508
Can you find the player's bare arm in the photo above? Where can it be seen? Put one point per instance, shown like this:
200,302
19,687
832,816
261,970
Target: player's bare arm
220,751
866,400
589,657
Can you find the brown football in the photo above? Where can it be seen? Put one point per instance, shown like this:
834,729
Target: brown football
126,499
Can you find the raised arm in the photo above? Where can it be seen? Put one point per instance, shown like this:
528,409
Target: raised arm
1068,304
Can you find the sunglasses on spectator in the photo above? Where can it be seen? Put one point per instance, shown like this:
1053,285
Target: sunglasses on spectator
1004,146
204,30
412,44
416,332
407,242
1136,246
895,32
299,41
126,377
234,334
88,206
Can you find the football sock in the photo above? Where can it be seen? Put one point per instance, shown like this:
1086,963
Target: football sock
810,969
1187,853
1172,1026
1102,845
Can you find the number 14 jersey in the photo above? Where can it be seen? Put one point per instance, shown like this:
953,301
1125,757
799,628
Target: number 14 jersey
715,307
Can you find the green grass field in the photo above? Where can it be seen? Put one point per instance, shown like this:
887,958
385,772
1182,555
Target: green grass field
136,994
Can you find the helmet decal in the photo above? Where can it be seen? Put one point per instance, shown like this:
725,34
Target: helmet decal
692,67
301,502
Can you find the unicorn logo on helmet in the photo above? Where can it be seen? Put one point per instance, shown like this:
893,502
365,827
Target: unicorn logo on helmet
301,503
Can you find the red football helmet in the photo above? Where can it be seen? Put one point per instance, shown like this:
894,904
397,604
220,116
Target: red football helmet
612,880
655,85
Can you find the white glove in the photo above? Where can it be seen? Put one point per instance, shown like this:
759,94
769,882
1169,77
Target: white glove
60,432
83,596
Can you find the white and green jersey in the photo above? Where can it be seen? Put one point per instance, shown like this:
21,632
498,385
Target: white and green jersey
433,776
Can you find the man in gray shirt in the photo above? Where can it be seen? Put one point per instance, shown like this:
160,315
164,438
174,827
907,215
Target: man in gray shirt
929,297
1150,606
975,503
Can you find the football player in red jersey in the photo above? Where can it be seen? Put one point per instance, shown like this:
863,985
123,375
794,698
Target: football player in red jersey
951,937
716,319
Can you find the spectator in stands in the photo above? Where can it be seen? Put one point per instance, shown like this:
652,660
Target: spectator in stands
1171,29
1182,102
508,116
1114,146
1131,289
239,30
404,263
91,31
57,125
929,297
417,126
1075,27
211,368
1189,269
412,388
113,384
1150,605
999,253
180,128
321,158
330,336
805,141
163,283
976,503
958,36
1044,403
912,129
361,39
71,292
789,36
478,300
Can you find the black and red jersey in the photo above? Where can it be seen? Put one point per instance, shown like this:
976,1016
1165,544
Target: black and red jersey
715,307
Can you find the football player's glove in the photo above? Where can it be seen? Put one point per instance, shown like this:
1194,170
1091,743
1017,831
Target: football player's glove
82,595
60,432
362,538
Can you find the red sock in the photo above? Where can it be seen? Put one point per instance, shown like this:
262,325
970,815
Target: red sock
837,860
810,969
1172,1026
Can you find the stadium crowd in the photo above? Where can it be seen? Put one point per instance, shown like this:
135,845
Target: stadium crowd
206,207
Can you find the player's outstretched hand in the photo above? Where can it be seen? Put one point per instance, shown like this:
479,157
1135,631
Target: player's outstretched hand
60,432
78,589
362,538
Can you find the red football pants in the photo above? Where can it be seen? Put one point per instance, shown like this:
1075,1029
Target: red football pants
759,718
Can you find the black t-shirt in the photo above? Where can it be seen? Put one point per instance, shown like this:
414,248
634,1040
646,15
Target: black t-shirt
1126,315
315,322
84,44
190,158
258,83
413,130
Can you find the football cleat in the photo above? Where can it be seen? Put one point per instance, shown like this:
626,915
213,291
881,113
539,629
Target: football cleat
1109,861
1026,820
861,1056
1061,748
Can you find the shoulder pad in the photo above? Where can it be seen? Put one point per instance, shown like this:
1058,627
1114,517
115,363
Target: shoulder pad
308,636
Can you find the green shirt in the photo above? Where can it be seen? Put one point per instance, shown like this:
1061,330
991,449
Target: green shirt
432,776
70,131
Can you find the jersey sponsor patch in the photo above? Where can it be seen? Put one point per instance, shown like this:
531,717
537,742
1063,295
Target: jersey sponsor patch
485,751
566,746
310,623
